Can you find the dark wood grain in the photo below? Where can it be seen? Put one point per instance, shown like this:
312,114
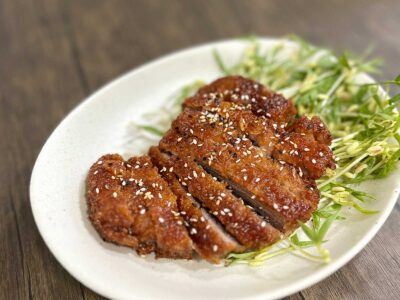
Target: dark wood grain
54,53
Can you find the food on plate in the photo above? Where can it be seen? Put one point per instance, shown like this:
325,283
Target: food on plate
235,172
130,205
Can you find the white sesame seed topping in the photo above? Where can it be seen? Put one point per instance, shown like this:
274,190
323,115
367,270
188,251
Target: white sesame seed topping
215,248
313,161
161,220
148,195
115,194
99,162
97,190
263,224
142,211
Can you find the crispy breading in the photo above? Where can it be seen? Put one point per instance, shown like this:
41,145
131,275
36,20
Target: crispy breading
210,239
283,194
130,205
239,220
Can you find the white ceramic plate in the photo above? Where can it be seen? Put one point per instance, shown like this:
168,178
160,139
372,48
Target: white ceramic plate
100,125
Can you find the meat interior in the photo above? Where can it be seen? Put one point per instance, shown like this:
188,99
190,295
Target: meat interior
235,172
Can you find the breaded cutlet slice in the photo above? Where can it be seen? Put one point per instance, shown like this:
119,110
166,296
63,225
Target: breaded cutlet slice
267,117
244,91
210,240
304,143
275,188
240,221
129,204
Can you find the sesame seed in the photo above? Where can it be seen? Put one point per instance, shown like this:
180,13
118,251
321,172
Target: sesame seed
148,195
142,211
263,224
99,162
193,231
95,172
215,248
115,194
161,220
306,149
257,179
275,206
97,190
194,174
313,161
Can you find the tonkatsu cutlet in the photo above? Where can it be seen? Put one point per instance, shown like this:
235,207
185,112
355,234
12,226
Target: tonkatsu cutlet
235,172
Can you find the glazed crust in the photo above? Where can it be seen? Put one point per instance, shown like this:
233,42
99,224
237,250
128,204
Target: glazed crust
235,172
129,204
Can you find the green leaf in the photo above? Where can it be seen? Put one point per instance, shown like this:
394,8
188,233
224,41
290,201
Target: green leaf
220,63
325,226
151,129
308,231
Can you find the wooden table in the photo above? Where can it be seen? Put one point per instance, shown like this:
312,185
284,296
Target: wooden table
55,53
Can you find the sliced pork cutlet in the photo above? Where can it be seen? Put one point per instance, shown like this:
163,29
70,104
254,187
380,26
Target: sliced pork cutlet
271,187
267,118
304,144
239,220
253,95
210,239
131,205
